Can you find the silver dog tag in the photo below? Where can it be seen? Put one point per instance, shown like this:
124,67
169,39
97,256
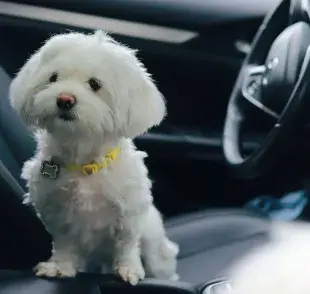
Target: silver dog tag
49,169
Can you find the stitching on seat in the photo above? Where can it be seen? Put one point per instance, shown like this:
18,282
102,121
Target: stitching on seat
7,176
200,215
219,245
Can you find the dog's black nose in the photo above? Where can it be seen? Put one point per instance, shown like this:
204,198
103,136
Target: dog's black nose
65,101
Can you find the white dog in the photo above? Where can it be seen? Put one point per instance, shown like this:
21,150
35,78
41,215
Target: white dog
87,96
281,267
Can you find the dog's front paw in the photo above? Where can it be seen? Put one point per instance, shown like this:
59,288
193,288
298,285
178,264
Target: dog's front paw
52,269
130,274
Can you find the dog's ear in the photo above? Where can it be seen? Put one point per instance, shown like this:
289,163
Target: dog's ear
21,89
146,107
26,81
141,105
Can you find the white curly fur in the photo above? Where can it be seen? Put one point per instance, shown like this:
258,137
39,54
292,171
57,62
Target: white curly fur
107,219
280,267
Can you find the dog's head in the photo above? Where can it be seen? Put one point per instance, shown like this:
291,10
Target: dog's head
87,85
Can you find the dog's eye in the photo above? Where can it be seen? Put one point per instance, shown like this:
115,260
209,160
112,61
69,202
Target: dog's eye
53,77
94,84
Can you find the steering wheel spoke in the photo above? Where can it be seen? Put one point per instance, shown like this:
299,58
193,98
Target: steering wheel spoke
251,91
299,11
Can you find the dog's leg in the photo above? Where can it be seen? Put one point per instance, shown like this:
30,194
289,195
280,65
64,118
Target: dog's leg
158,252
127,259
63,263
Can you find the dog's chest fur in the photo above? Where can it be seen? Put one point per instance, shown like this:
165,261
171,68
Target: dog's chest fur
79,207
85,211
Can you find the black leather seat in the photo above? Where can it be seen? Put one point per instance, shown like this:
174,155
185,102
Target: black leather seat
209,240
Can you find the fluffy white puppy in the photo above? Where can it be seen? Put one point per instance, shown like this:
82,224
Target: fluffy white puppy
281,267
87,96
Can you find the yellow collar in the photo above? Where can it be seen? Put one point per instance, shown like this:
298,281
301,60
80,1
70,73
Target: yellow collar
95,167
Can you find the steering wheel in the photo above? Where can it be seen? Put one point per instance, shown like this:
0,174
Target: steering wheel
274,80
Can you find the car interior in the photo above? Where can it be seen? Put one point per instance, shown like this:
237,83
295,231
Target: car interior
234,77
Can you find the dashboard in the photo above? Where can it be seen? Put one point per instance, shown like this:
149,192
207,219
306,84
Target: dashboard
189,14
